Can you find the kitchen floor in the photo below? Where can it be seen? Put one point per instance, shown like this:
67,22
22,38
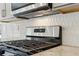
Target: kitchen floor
60,51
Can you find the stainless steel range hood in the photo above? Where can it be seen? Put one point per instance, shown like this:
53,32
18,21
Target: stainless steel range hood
32,10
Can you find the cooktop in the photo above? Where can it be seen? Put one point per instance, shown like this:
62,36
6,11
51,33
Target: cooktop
25,47
30,44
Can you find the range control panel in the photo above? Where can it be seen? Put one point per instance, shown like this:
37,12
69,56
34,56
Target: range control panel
50,31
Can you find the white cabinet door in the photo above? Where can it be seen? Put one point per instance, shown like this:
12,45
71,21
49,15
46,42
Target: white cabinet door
2,10
8,10
5,11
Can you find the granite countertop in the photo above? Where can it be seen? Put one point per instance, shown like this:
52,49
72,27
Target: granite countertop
60,51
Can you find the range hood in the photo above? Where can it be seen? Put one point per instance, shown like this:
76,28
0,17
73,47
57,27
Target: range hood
31,10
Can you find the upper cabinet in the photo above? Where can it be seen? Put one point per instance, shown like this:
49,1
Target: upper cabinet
5,11
2,10
8,10
66,7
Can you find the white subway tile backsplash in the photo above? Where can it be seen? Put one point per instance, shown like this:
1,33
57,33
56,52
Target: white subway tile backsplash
69,23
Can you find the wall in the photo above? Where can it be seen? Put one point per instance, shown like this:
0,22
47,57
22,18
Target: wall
69,23
9,31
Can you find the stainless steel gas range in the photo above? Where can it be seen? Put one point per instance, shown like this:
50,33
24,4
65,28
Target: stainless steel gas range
40,38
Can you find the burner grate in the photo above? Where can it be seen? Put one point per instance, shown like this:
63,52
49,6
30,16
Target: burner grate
29,44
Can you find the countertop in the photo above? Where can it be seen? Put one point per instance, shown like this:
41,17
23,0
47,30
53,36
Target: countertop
60,51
